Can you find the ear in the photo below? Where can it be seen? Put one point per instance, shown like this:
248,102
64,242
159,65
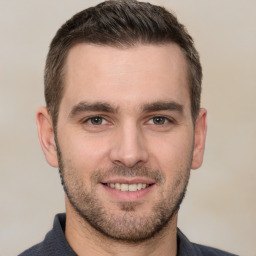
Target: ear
46,136
199,141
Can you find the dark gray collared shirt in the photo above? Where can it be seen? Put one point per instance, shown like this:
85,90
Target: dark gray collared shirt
55,244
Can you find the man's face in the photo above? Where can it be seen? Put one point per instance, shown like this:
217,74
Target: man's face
125,137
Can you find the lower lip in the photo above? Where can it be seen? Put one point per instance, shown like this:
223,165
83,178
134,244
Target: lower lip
128,195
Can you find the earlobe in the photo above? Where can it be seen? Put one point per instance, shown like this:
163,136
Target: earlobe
199,141
46,136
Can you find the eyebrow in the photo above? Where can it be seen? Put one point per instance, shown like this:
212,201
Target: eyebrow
107,108
162,105
96,106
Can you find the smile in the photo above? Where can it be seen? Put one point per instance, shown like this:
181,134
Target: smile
127,187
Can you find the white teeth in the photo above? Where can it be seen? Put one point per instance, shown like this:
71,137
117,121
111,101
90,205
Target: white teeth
127,187
124,187
117,186
132,187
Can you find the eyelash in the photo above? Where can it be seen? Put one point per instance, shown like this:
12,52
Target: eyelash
89,120
166,120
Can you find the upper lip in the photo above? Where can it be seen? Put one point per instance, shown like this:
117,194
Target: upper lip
126,180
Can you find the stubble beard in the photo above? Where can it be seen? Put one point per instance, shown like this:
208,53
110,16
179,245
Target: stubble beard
129,226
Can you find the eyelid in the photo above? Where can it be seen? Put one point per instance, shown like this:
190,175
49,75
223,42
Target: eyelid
87,119
106,120
169,119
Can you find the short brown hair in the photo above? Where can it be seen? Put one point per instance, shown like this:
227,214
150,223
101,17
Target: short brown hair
120,23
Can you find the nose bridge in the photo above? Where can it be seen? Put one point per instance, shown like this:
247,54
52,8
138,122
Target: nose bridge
129,147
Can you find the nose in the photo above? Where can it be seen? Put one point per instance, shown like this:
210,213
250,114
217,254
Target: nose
129,147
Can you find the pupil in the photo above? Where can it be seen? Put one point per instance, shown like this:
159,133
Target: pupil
97,120
159,120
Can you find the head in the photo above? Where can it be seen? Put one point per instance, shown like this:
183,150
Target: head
123,121
141,23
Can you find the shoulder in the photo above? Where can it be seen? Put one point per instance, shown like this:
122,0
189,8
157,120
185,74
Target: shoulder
210,251
54,242
47,247
186,248
36,250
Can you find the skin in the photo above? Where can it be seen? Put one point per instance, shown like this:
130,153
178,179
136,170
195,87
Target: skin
128,80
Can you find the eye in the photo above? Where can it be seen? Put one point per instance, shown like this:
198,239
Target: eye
159,120
96,120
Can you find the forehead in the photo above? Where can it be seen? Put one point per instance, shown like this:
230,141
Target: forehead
134,75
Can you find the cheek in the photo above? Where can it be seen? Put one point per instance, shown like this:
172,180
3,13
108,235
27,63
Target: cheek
84,153
173,152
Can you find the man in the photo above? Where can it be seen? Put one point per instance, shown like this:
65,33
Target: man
124,126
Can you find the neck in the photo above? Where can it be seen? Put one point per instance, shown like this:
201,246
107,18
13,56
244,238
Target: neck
85,240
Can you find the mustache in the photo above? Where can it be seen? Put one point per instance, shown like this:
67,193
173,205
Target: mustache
139,171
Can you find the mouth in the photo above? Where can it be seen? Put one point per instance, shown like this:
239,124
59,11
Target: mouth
124,187
128,189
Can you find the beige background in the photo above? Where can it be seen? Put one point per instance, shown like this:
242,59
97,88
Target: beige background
220,207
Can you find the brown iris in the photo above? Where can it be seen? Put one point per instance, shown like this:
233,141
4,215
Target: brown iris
159,120
96,120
